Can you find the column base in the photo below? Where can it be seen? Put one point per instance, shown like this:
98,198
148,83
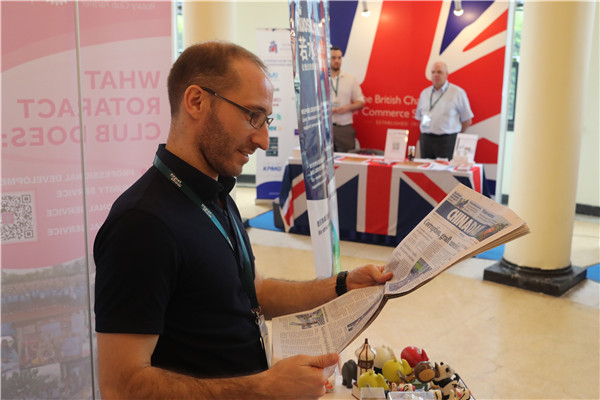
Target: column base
552,282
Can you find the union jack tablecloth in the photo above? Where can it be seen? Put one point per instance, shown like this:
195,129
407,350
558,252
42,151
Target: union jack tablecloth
377,202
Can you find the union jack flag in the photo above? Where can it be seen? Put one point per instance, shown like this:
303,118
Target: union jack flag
376,201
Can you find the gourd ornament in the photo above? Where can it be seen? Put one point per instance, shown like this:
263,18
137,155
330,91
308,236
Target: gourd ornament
365,358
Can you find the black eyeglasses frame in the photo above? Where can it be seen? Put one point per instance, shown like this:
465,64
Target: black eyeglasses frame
251,113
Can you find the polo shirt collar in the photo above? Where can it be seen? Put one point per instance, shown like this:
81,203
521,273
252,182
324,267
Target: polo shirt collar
443,88
204,186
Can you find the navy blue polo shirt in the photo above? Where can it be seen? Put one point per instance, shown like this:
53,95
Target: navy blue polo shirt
164,268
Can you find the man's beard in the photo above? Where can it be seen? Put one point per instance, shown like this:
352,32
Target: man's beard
213,145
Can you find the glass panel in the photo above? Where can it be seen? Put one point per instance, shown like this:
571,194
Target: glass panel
47,329
125,58
45,306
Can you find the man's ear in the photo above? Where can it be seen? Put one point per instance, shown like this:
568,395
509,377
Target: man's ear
194,100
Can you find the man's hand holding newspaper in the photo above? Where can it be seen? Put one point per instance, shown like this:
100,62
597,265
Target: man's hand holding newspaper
462,225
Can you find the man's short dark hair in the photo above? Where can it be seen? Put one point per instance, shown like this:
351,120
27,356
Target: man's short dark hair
335,48
207,64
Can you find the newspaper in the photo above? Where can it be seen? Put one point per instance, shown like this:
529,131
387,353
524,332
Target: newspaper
462,225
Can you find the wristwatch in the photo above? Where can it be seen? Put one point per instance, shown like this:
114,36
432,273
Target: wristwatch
340,283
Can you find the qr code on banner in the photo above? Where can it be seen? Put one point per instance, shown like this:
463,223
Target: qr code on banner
18,217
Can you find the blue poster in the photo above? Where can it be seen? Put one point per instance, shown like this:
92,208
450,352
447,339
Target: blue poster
309,23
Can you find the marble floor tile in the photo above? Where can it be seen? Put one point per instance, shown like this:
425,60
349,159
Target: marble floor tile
505,342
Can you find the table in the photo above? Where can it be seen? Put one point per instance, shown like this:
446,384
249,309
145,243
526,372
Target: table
378,202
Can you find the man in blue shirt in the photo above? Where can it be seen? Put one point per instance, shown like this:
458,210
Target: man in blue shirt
443,111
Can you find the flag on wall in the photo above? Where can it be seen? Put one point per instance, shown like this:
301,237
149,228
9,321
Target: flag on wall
391,52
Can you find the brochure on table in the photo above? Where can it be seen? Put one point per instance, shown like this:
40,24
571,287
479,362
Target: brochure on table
395,145
464,149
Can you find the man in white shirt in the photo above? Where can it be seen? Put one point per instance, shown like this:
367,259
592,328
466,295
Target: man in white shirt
443,111
346,97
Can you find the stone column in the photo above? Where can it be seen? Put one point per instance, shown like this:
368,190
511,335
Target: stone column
208,20
555,48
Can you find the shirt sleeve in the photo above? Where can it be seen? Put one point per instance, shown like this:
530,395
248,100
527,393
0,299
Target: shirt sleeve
136,258
357,94
464,108
420,104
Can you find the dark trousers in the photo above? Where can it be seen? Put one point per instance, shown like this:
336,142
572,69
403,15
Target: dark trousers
344,138
437,146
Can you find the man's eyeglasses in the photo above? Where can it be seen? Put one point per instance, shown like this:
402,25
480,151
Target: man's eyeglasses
257,118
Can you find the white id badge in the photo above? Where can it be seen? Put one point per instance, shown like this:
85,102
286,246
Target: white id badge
264,334
425,122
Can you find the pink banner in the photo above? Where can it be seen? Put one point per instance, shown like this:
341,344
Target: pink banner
78,127
125,57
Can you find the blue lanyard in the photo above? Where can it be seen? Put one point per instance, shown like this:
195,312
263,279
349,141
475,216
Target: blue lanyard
438,99
248,276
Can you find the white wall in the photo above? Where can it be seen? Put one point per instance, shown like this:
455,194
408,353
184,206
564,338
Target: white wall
588,187
249,17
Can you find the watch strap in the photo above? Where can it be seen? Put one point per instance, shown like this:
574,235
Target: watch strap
340,283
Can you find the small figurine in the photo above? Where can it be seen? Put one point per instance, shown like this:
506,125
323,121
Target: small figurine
348,373
402,387
398,371
414,355
366,358
382,354
448,382
371,379
330,384
425,371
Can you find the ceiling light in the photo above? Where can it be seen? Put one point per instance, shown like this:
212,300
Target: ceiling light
365,11
458,10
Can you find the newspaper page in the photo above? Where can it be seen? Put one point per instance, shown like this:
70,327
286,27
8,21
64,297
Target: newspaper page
326,329
465,223
462,225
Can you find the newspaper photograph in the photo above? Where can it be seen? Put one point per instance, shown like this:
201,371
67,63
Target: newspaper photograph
463,224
